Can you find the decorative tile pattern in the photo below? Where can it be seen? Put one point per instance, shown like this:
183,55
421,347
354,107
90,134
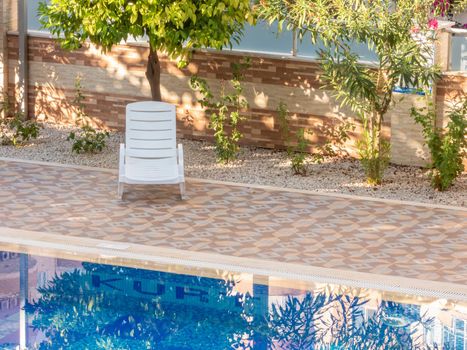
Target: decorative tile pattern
333,232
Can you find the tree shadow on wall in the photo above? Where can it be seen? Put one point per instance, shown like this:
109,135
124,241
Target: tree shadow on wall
125,66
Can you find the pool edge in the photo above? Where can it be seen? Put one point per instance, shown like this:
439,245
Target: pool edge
108,251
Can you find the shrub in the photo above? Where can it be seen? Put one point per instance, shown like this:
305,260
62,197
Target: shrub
14,129
87,139
447,146
225,111
297,152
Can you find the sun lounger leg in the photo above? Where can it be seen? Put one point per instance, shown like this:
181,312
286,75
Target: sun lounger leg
120,190
182,190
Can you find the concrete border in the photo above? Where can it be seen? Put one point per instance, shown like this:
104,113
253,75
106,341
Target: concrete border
39,243
239,184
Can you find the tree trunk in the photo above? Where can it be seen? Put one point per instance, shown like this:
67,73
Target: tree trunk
153,74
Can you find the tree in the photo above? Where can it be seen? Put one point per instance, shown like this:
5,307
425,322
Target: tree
174,27
397,31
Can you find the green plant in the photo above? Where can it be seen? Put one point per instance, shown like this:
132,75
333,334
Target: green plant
297,152
78,101
447,146
387,30
88,140
225,111
174,27
284,123
16,131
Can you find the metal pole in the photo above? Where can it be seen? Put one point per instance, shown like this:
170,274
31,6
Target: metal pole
23,57
23,298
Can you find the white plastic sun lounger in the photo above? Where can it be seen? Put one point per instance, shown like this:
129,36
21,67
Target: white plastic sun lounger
150,154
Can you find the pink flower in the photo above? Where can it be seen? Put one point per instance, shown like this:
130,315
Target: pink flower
441,7
415,30
433,23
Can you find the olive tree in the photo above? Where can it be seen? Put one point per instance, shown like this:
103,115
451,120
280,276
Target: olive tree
399,34
172,26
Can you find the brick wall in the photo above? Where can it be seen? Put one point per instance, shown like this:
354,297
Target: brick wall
111,81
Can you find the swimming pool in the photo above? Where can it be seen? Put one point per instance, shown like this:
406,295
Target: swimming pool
88,305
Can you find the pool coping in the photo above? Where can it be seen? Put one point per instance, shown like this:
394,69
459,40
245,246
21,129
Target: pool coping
142,256
240,184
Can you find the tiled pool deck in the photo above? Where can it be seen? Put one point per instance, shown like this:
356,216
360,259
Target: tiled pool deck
288,230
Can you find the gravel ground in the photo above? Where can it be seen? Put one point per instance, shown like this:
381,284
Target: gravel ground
256,166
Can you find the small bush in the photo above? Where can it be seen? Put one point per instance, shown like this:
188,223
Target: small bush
225,111
88,140
297,152
447,146
284,121
16,131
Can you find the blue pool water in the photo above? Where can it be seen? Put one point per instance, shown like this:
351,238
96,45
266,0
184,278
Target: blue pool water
80,305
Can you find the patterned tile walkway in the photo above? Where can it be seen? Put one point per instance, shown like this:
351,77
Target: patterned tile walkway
322,231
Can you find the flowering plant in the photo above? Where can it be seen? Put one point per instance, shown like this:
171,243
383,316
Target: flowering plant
447,8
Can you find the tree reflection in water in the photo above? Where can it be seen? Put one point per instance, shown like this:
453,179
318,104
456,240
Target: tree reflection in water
325,321
95,309
109,307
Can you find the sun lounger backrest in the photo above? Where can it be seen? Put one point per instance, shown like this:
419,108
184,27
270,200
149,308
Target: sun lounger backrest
151,139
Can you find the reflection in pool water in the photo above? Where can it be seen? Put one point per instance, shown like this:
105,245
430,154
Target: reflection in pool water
79,305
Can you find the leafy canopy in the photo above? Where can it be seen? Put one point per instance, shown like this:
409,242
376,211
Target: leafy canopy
171,26
386,27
